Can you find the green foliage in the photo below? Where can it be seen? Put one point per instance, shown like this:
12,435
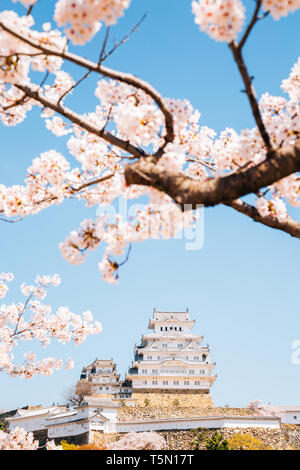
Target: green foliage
204,441
217,442
246,442
200,438
3,425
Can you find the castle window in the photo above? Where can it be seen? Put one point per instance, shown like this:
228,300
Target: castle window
154,382
176,382
161,328
191,372
171,327
186,382
165,382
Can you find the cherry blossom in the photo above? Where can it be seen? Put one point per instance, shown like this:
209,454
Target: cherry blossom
139,441
17,439
279,8
128,122
33,320
221,19
260,409
83,17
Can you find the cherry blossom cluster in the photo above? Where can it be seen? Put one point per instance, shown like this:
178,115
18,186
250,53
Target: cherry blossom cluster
17,57
4,278
83,17
279,8
17,439
34,320
196,151
95,172
160,219
291,85
222,20
260,409
139,441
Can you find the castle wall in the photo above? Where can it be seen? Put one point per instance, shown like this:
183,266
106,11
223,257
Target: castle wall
285,438
166,397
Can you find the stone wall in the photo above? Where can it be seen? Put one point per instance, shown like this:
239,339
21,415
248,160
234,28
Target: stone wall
140,413
286,438
166,399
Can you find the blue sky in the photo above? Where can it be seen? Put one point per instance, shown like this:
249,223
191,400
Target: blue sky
242,287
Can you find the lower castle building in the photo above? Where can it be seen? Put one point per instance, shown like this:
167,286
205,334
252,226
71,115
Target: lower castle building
104,379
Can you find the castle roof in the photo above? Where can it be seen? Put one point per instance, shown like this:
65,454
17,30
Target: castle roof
163,316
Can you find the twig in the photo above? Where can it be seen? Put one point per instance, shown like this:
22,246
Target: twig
124,39
102,53
73,86
253,21
127,257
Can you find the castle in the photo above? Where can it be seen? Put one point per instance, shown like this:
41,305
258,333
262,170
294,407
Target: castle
167,388
170,359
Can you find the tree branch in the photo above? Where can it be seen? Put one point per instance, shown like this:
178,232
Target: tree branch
186,190
127,78
80,121
238,57
289,225
252,23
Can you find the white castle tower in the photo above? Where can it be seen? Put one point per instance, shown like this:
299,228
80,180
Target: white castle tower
171,358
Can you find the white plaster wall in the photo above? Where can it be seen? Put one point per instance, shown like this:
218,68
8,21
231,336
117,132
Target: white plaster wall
29,424
192,424
251,423
70,429
288,417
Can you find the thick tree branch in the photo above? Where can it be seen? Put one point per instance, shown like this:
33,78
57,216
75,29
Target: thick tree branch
186,190
289,225
80,121
127,78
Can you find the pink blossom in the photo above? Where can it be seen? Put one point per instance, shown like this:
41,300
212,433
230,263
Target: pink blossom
139,441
